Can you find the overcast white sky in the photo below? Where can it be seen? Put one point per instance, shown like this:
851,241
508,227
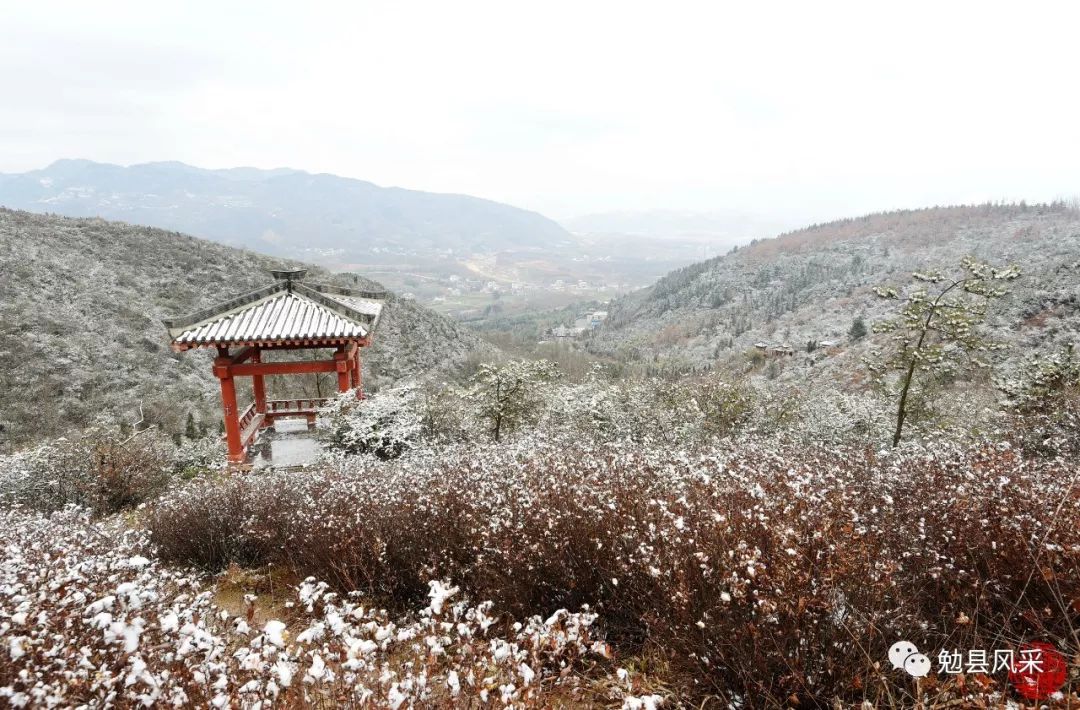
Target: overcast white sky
807,109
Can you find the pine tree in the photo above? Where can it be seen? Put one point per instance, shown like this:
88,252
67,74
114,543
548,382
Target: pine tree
191,430
938,324
858,329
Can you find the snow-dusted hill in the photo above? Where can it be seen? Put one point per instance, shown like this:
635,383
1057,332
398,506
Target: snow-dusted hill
811,284
81,303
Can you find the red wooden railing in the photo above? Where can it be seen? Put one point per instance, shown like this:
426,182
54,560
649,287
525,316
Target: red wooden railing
251,421
247,416
298,406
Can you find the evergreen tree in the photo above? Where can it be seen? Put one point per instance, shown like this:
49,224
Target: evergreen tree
858,329
938,324
191,430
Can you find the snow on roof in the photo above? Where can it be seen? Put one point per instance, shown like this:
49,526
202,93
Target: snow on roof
288,312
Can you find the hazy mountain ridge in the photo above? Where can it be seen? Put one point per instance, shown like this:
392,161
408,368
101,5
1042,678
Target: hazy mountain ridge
810,284
450,251
283,211
81,304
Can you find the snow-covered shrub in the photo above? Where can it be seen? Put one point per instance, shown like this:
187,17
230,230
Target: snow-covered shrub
98,470
88,618
648,410
757,569
821,415
726,407
1043,399
386,424
195,456
443,413
509,395
596,409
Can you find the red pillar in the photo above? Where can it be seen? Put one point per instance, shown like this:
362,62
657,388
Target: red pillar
228,404
259,386
341,359
358,376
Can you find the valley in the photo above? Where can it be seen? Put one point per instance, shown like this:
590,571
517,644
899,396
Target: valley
451,252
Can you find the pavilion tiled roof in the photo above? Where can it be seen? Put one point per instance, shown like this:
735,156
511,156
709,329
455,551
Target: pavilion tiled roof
289,312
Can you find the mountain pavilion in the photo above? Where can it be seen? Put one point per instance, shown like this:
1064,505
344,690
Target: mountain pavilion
289,314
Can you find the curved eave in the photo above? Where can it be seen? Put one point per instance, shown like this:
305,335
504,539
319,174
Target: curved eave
286,317
269,344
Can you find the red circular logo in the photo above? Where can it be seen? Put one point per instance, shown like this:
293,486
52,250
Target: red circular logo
1037,671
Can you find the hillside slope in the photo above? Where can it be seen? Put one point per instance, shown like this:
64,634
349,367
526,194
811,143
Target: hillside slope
282,212
81,303
809,285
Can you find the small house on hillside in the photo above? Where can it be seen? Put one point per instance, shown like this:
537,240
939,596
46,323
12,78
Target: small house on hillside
784,350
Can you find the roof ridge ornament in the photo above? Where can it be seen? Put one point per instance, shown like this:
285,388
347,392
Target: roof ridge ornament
288,276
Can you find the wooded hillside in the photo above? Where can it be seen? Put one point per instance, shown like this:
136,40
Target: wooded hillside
81,304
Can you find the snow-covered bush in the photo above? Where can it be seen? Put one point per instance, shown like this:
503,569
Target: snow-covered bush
1043,399
195,456
98,470
600,409
821,415
703,408
757,569
509,395
726,407
648,411
88,618
386,424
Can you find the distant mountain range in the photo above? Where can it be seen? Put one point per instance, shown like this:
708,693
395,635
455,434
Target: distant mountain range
450,251
283,212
